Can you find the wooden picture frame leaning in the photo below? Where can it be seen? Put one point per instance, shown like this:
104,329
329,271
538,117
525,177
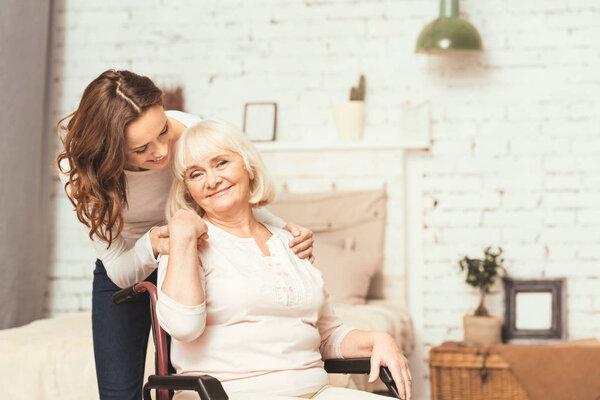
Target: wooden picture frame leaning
555,288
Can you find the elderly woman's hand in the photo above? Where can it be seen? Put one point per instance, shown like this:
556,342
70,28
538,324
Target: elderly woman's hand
187,224
184,225
386,353
302,244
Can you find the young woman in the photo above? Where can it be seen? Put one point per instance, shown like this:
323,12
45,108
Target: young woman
242,307
115,165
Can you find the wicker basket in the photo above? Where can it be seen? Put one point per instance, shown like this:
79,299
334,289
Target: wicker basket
467,373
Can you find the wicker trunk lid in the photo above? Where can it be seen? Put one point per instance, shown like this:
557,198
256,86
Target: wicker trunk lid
466,373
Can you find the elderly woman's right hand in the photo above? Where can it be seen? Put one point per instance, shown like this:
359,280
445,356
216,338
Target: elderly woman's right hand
184,225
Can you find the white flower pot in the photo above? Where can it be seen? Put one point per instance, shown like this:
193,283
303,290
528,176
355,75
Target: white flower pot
350,120
482,331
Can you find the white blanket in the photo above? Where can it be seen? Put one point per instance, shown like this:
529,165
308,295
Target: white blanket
53,358
49,359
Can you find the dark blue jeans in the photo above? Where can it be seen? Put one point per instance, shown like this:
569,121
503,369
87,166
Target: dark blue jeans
120,339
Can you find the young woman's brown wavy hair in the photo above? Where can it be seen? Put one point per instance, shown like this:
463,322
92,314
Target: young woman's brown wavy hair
94,148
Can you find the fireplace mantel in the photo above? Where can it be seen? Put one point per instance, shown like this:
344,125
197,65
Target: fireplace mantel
406,144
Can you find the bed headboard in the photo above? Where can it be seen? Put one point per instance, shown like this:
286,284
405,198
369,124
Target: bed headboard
340,218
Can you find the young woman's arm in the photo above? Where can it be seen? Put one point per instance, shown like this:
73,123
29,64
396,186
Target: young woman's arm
127,265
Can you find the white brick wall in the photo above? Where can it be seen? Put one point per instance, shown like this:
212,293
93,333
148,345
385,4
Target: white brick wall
516,130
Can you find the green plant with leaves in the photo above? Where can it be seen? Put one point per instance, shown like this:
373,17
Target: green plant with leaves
481,274
357,93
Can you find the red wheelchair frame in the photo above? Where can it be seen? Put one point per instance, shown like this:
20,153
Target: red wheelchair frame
208,387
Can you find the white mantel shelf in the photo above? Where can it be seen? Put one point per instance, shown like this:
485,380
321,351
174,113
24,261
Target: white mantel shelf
407,144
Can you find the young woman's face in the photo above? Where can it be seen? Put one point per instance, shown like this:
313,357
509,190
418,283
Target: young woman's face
219,183
148,141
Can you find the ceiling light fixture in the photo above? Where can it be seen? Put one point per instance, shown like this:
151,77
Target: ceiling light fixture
448,33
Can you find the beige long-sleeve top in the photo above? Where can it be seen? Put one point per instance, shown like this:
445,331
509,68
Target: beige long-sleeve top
266,323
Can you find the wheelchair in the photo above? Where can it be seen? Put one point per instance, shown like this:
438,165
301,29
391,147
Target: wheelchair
165,381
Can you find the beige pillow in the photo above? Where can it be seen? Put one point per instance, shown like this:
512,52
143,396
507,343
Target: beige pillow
336,215
347,273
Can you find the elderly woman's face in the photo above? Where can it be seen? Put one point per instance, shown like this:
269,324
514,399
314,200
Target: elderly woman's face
219,183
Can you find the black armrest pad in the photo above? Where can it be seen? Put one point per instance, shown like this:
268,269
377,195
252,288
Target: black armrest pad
348,365
208,387
360,366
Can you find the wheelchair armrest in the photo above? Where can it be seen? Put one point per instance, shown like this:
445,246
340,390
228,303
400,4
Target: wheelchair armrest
348,365
207,387
360,366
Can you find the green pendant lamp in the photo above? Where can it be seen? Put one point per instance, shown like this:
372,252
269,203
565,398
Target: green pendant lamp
448,33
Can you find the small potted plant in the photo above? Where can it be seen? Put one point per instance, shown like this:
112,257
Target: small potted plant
350,116
481,328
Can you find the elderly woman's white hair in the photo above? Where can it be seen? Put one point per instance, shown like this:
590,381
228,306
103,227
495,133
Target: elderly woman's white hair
203,139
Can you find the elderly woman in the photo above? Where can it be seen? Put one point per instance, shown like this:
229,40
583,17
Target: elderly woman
242,307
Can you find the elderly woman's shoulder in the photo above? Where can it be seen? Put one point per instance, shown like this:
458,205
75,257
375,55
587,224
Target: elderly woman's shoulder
281,233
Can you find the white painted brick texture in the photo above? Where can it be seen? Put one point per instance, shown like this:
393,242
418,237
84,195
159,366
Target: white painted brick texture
516,150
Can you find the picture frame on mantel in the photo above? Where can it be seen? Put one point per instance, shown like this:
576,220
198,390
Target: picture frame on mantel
415,121
260,121
534,309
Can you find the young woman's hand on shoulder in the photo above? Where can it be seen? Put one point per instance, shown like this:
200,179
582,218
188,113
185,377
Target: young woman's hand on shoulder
159,239
302,244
